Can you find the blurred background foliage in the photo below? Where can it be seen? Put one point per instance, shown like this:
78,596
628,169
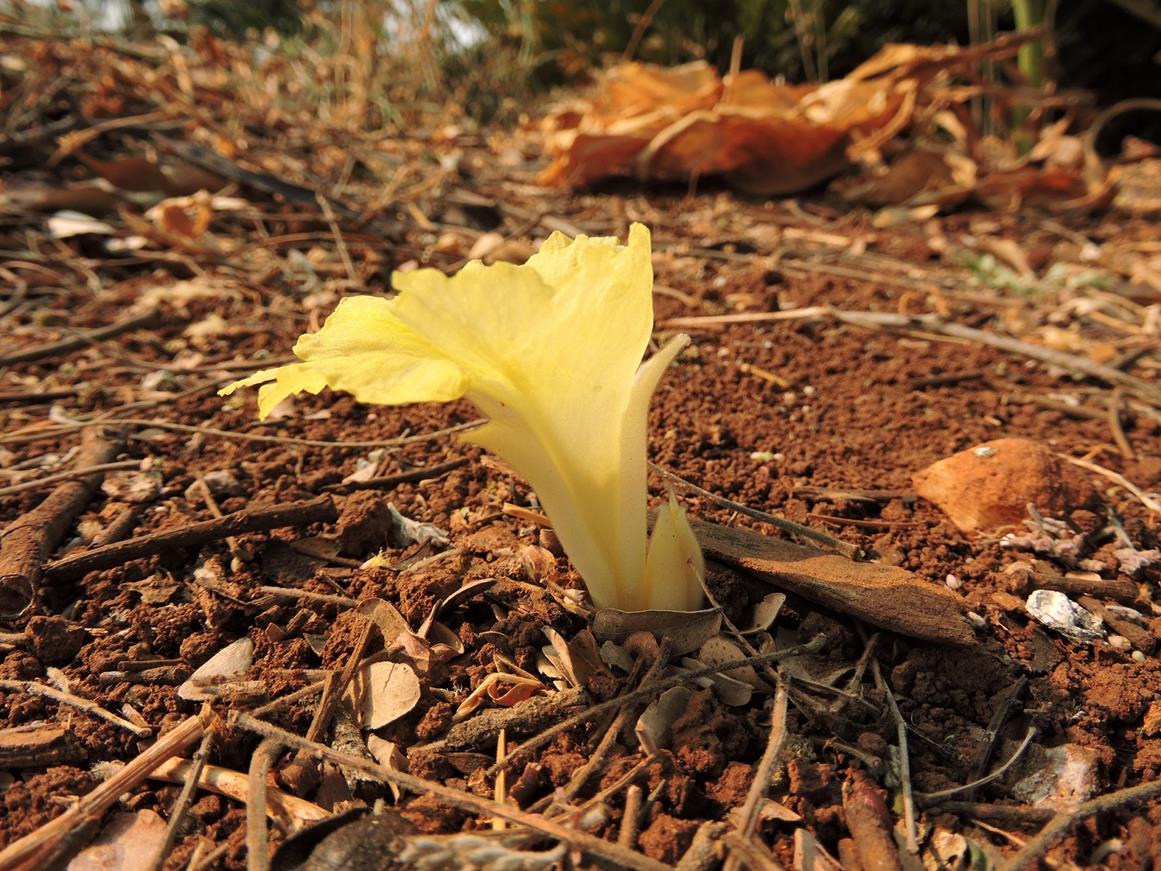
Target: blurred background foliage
495,56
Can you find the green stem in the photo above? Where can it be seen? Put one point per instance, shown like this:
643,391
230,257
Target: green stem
1030,60
1030,13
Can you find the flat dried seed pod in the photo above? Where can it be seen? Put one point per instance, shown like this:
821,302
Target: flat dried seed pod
686,630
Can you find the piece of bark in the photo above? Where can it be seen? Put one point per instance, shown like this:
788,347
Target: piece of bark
885,596
870,825
30,539
525,718
260,519
38,748
140,321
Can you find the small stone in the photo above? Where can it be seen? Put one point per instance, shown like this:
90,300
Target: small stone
1138,656
1060,777
1056,611
1118,642
1151,725
990,485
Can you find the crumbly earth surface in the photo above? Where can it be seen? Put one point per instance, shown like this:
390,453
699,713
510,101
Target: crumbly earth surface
816,420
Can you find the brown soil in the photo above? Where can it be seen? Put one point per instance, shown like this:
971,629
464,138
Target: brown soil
752,412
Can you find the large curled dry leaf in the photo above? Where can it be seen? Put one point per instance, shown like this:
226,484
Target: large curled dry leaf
769,139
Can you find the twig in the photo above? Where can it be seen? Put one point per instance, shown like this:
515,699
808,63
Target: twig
652,689
1150,393
928,798
749,813
639,31
597,757
292,593
340,243
631,817
836,544
1062,822
864,524
236,550
257,849
321,508
181,807
87,705
286,701
81,339
904,760
1121,589
814,312
1118,430
999,717
386,482
29,540
842,494
1146,499
1008,814
703,852
302,769
95,803
885,320
148,423
590,844
757,858
286,810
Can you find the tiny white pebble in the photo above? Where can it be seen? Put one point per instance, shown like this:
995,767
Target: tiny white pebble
808,390
976,620
789,397
1138,656
723,352
779,457
1118,642
985,451
953,582
719,282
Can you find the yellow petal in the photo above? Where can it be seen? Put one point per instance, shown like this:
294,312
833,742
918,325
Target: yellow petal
675,568
365,350
551,353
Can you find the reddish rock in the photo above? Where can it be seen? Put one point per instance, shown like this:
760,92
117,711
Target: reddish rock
989,486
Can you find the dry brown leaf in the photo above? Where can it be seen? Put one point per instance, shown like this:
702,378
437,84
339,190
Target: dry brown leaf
655,725
734,693
227,663
129,842
686,630
720,649
389,690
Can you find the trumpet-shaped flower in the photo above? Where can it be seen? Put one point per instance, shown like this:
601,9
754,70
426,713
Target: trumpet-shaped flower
551,353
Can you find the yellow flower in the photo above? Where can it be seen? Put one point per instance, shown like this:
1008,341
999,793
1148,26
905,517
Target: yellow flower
551,353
